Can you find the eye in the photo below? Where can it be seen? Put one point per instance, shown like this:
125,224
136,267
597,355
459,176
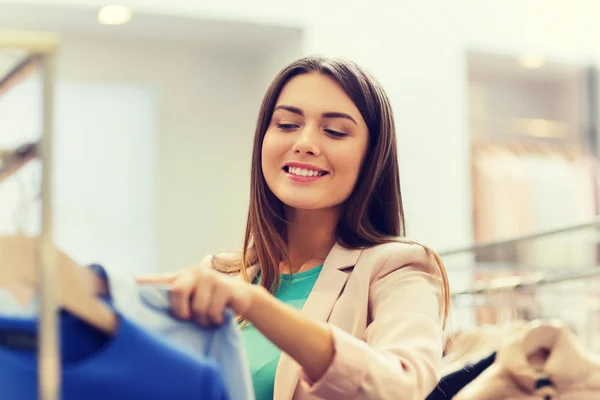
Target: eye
335,133
287,127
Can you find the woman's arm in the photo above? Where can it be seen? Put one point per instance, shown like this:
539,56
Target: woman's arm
202,293
398,357
400,354
306,341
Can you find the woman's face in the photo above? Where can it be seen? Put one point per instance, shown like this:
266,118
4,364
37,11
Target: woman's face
315,144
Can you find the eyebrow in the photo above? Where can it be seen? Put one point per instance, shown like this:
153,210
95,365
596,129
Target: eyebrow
330,114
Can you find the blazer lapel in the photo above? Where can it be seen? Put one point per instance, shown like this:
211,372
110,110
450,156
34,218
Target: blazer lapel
252,272
318,306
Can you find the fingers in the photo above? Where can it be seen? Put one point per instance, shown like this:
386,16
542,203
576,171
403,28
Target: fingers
201,298
158,278
182,290
200,294
221,296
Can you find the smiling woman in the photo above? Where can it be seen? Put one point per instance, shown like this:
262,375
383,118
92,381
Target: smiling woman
321,133
337,303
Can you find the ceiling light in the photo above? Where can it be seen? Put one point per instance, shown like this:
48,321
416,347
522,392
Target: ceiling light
531,61
114,15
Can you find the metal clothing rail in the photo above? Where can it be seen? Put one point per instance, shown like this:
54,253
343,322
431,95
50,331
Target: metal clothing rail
518,239
522,282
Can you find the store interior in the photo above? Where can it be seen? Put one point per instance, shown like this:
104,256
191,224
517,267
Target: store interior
496,110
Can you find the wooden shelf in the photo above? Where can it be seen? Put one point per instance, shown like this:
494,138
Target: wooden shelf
35,42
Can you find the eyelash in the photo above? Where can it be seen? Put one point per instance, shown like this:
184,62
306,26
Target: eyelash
336,133
287,127
290,127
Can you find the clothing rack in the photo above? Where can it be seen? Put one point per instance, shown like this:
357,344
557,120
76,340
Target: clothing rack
518,239
13,160
515,283
522,282
41,48
19,72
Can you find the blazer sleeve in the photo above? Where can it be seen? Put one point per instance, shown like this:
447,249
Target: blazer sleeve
402,349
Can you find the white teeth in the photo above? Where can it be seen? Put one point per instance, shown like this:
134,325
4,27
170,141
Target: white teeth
304,172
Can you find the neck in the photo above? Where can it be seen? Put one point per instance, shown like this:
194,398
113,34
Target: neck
311,235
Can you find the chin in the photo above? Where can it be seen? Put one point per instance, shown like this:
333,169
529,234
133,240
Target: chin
301,202
302,205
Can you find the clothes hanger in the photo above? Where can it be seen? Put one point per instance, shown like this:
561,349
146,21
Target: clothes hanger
12,160
77,286
542,336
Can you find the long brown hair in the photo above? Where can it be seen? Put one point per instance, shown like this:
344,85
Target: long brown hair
373,214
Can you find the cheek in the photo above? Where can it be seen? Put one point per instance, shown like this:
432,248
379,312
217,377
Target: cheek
272,152
348,163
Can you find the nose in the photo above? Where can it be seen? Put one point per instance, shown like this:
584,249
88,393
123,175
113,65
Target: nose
306,143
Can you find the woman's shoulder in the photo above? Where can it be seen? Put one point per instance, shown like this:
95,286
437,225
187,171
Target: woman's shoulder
400,253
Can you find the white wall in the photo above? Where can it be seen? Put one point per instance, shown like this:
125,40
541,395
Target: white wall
424,73
208,102
103,171
417,49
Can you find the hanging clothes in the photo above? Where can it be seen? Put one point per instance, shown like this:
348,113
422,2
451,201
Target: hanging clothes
545,361
132,364
468,347
149,307
501,195
518,192
452,383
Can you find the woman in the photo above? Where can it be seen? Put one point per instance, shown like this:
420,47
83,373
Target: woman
336,303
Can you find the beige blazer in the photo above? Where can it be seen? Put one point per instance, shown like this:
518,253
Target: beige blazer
382,306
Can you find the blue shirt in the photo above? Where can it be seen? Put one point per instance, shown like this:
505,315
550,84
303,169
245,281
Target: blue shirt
130,365
148,306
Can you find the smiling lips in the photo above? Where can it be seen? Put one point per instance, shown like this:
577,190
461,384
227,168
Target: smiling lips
303,172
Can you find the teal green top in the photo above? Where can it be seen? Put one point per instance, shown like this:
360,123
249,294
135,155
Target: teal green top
263,355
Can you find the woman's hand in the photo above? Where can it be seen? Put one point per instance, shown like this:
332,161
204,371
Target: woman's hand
201,293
